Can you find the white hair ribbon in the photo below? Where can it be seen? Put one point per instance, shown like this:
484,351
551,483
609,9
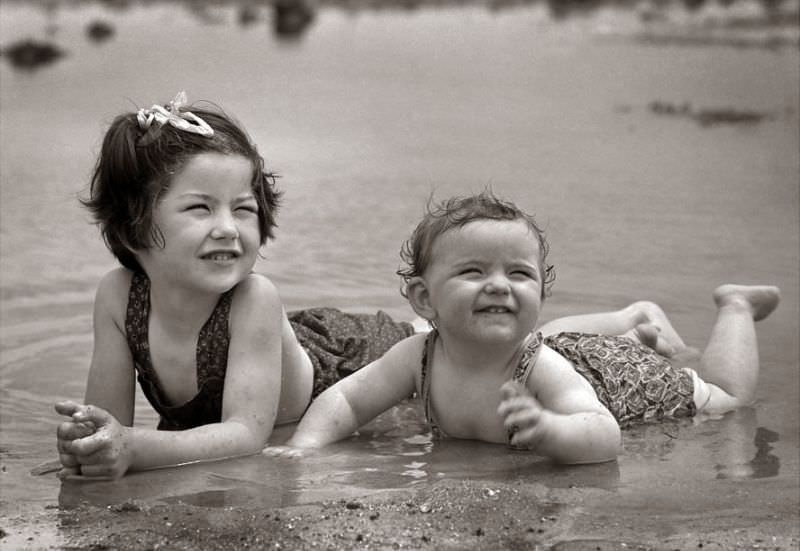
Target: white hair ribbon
171,114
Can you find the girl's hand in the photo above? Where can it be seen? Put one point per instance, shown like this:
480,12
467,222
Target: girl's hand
102,454
523,415
66,433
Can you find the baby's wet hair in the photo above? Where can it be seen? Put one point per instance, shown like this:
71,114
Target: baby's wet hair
135,168
455,212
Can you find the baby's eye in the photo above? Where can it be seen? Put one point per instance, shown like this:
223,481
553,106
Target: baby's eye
524,274
469,271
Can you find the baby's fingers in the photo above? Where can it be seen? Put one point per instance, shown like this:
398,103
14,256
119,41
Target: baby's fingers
510,405
521,420
513,389
528,438
284,451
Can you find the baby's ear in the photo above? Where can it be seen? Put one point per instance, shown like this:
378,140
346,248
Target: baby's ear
419,298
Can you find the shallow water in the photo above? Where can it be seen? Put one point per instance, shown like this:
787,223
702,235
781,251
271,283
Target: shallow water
365,114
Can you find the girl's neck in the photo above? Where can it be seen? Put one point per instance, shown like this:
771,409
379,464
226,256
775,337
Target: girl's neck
182,307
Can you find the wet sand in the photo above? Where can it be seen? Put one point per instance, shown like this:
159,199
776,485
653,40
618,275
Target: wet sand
452,514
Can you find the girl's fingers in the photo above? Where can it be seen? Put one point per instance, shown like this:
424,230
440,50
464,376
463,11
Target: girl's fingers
93,414
68,473
70,430
100,472
88,446
68,460
67,407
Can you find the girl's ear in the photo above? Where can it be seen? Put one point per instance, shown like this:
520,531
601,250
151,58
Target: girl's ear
419,298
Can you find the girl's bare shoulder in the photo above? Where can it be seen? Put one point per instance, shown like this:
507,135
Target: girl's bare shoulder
256,305
113,292
256,287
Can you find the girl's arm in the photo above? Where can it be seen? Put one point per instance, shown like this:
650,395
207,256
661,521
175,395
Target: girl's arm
250,400
564,419
360,397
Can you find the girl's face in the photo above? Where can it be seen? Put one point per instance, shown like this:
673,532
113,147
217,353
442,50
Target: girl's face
484,283
209,221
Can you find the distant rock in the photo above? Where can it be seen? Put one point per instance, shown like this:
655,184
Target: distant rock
99,31
32,54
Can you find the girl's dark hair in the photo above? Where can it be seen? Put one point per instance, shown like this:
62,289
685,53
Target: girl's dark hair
135,168
455,213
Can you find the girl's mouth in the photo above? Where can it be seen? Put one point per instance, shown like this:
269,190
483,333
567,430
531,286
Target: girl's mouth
220,256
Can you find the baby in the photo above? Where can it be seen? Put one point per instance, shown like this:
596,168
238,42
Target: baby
478,274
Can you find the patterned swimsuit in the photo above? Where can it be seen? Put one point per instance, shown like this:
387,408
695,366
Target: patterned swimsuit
634,382
338,343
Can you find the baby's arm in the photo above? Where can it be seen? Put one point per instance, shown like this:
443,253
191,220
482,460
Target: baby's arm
360,397
250,398
559,415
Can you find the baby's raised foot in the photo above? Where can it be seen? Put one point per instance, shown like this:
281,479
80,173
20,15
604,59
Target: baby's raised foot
760,300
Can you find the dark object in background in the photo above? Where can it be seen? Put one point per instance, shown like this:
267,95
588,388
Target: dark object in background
99,31
32,54
291,17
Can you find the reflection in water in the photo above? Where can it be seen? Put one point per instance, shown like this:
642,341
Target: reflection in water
765,464
735,457
652,440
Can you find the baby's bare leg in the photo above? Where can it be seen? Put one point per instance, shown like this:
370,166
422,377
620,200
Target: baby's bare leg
634,321
730,361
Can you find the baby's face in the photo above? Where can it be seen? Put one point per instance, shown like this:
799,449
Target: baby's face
485,281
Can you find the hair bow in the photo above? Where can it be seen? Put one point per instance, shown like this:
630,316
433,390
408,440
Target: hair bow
171,114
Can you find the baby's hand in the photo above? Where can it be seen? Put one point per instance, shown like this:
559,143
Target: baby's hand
523,415
285,451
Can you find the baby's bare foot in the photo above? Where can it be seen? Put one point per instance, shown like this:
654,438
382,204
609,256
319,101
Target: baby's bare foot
761,300
649,335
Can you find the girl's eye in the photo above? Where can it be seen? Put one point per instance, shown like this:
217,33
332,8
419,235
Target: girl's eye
198,207
248,208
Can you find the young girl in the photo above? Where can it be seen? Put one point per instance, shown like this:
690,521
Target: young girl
478,273
184,203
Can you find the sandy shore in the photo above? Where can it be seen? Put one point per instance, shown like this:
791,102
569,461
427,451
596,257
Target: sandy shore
449,514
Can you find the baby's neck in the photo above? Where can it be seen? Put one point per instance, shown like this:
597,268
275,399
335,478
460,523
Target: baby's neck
482,357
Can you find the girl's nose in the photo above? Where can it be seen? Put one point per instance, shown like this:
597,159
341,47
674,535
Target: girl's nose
225,227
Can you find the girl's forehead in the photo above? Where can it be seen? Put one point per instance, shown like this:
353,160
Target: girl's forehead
213,172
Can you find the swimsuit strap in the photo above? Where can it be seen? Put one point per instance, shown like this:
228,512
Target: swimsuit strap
425,384
525,361
211,359
527,358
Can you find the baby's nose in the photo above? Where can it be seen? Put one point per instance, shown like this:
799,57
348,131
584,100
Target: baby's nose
497,284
